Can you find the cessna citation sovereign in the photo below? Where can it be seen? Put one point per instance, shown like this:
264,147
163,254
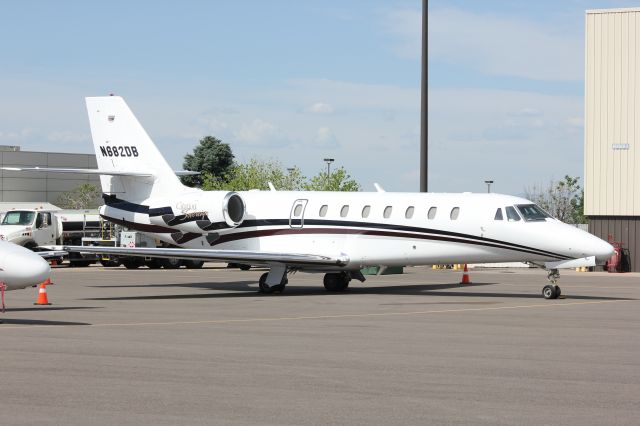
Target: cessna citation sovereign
334,233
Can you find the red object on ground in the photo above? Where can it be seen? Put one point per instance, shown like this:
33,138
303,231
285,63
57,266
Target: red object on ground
465,276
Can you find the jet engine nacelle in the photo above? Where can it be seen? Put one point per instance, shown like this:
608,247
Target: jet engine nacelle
201,213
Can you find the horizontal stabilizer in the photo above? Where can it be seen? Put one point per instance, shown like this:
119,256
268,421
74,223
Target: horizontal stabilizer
77,171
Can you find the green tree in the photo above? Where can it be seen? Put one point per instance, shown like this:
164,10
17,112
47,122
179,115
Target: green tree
84,196
211,157
563,199
338,180
255,175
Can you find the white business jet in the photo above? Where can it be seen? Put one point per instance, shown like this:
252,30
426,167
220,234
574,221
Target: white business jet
334,233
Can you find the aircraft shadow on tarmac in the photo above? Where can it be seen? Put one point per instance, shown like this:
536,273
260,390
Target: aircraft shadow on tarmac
249,289
51,308
15,321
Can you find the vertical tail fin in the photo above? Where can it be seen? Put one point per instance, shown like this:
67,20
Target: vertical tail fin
121,144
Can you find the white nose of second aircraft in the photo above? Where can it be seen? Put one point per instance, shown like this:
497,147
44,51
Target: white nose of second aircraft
24,269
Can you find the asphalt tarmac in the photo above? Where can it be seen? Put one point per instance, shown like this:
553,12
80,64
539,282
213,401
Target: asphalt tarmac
203,347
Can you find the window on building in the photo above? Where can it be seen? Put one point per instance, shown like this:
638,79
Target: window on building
454,213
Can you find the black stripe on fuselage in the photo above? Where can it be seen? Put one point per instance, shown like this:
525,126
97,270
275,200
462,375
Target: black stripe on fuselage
402,228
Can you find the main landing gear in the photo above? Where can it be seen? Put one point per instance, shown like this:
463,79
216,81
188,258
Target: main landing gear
267,289
276,280
336,282
552,291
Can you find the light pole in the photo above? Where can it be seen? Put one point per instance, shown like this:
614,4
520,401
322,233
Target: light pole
488,182
328,161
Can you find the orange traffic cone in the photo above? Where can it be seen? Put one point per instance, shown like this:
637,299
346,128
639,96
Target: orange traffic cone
47,282
42,295
465,276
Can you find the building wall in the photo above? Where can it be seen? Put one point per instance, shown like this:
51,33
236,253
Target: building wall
38,187
623,229
612,112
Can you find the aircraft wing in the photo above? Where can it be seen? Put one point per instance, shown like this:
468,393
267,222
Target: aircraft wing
235,256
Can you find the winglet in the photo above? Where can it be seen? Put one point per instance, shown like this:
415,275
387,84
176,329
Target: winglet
378,187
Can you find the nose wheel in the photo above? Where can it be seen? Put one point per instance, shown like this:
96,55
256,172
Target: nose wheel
552,291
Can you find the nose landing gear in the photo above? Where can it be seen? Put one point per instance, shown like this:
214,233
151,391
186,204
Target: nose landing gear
552,291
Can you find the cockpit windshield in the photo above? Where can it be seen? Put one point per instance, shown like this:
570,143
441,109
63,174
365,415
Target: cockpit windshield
18,218
531,212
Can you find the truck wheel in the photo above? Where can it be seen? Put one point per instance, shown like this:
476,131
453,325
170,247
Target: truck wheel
193,264
153,263
171,263
134,263
110,263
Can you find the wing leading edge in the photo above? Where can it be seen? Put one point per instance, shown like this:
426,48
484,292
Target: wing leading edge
253,257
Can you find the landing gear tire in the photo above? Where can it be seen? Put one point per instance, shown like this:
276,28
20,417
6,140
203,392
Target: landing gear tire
551,291
266,289
336,282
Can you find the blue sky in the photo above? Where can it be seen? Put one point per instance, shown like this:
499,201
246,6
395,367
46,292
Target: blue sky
299,81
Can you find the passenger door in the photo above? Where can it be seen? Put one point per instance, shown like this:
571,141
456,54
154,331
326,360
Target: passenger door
296,219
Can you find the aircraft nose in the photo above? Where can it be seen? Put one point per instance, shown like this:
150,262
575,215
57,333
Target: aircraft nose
26,270
602,250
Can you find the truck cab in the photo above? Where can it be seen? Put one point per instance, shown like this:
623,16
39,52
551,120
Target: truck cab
30,228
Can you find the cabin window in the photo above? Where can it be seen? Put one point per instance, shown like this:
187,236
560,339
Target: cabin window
432,213
512,214
297,210
344,211
454,213
387,212
409,213
323,210
365,211
498,215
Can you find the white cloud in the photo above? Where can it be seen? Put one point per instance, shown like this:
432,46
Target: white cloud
67,136
16,135
489,43
261,133
405,25
503,45
325,139
320,108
